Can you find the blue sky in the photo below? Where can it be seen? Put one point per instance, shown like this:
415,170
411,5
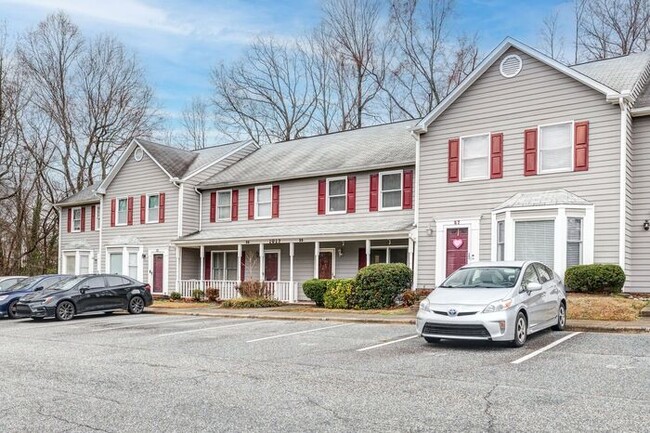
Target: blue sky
180,41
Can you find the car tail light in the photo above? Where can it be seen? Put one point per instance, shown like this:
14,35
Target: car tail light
147,287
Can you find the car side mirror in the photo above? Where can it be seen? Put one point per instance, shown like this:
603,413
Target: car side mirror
38,289
83,289
533,287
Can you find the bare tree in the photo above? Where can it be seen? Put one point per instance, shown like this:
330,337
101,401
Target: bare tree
552,42
579,10
609,28
195,121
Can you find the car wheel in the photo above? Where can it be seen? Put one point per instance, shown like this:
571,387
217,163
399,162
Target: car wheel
65,311
561,318
11,309
432,340
136,305
521,330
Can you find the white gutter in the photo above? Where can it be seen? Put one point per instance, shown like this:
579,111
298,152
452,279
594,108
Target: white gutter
196,190
101,234
179,184
416,213
638,112
622,211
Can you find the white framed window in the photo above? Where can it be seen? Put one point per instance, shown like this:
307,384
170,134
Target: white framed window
475,157
78,262
501,240
115,262
574,242
122,211
70,263
224,205
337,195
153,206
390,254
125,260
98,217
555,147
535,240
263,201
224,265
390,190
76,219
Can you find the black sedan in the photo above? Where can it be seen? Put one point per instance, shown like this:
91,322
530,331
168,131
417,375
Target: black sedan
84,294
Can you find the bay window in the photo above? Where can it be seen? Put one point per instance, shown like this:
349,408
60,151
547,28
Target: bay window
574,242
501,239
78,262
534,240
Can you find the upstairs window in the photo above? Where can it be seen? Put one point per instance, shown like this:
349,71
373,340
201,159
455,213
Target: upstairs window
263,200
76,219
153,208
390,194
555,147
475,157
122,211
336,195
224,203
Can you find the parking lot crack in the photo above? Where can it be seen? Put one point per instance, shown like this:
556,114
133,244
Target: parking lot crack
488,409
42,412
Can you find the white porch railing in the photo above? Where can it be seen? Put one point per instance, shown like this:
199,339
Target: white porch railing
282,290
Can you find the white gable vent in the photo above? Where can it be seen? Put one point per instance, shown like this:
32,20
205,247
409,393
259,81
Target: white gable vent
511,66
138,154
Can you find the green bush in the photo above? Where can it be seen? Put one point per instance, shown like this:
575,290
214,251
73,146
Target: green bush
598,278
197,295
315,290
212,294
175,296
377,286
251,303
338,293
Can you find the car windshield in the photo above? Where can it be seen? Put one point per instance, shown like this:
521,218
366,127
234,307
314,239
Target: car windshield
21,285
67,284
483,277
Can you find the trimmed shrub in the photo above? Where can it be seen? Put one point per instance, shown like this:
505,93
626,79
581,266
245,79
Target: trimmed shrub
338,293
598,278
251,303
175,296
377,286
212,294
315,290
413,297
197,295
255,289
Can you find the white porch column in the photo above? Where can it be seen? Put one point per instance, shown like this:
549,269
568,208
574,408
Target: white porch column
262,262
509,228
409,254
559,256
316,254
292,292
179,252
367,252
202,270
239,256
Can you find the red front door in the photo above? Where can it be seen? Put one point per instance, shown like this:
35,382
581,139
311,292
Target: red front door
456,249
157,273
271,266
325,265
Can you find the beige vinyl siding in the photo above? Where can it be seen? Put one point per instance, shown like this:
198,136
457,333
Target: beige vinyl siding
86,241
638,274
138,178
190,264
538,95
299,204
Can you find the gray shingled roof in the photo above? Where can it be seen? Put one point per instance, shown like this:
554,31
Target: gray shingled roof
620,73
388,145
386,224
211,154
86,195
558,197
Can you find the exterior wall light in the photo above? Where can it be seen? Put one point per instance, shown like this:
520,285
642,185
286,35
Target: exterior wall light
646,225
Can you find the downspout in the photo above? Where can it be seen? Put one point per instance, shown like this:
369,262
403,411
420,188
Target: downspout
101,234
623,103
196,190
179,184
416,213
59,256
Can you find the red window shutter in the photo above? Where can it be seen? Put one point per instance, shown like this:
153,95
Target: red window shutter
143,209
362,258
207,272
213,207
454,160
352,194
275,205
161,207
235,205
243,266
93,217
530,152
83,219
322,199
69,220
496,155
581,147
113,213
130,211
374,192
407,193
251,203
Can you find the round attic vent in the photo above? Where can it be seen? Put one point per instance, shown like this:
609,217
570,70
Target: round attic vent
138,154
511,66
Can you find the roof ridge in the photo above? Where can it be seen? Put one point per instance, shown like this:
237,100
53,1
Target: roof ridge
639,53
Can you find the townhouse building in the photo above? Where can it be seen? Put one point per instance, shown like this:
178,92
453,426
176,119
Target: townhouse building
526,159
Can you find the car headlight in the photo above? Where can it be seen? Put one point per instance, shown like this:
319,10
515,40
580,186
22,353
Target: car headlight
48,299
3,297
424,305
498,306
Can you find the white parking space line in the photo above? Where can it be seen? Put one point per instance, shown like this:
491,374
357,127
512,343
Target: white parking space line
210,328
299,332
387,343
138,324
545,348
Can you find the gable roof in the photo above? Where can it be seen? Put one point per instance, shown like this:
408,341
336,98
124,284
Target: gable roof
619,73
610,93
372,147
84,196
557,197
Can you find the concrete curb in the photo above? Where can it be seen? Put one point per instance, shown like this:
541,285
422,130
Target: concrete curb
645,312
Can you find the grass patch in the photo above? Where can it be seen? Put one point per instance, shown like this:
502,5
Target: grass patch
312,309
603,307
251,303
174,305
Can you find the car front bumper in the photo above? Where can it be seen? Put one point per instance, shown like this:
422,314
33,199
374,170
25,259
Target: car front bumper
498,326
34,310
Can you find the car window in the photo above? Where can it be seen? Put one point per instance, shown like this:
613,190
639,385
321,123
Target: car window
543,273
482,277
5,284
114,280
94,283
50,281
530,276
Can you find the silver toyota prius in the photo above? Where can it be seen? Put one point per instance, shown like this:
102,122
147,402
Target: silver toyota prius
497,301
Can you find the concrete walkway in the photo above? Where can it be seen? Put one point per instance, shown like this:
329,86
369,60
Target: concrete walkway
641,325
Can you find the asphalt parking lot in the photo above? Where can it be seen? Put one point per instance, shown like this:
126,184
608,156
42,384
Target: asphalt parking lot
156,373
